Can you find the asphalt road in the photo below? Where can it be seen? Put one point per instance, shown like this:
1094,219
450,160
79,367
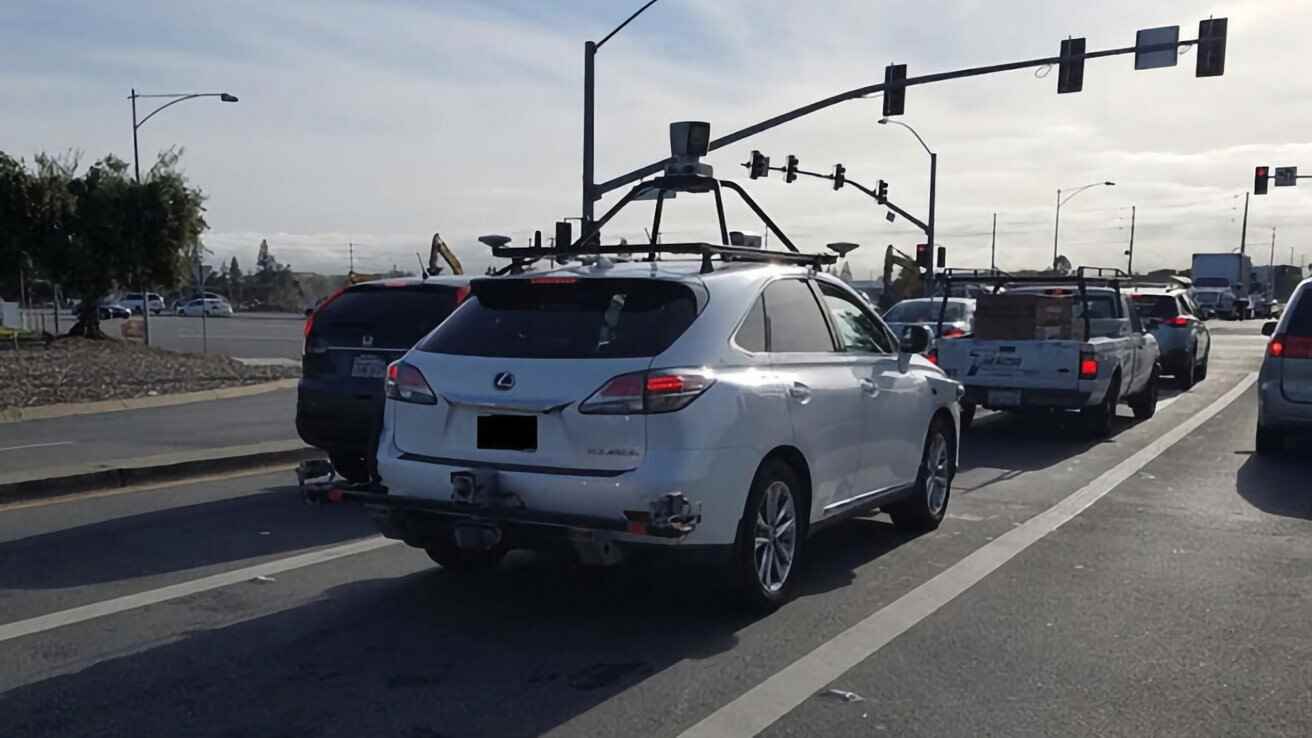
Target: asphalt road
244,335
128,434
1155,583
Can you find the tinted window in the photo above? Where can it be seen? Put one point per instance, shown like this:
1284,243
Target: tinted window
396,317
1300,322
751,334
857,329
567,318
925,312
796,323
1155,306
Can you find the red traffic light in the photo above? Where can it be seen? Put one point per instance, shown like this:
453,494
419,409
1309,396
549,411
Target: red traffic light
1261,171
1259,180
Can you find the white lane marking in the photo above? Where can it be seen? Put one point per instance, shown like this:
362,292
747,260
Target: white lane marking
37,445
41,623
773,698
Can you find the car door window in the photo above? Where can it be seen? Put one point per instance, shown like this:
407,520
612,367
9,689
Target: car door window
858,330
794,319
751,334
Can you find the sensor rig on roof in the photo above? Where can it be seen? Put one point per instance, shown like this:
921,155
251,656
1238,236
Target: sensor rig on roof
685,173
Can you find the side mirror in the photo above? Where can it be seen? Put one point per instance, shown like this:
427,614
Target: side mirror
1269,328
915,339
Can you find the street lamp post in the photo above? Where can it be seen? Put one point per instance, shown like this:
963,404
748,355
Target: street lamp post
589,99
933,182
1056,224
173,99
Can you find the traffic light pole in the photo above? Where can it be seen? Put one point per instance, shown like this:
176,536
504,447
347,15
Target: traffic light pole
855,94
929,232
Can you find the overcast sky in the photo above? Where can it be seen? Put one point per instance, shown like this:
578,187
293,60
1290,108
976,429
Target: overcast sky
382,122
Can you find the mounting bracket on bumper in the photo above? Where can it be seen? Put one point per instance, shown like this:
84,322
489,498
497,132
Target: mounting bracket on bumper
674,512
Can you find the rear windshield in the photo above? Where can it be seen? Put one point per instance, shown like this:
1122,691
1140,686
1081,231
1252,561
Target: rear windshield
394,317
564,318
924,312
1211,282
1155,306
1206,298
1300,323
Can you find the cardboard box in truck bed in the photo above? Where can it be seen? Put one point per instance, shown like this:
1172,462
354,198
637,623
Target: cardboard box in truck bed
1023,317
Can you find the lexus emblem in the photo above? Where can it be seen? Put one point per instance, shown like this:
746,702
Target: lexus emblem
367,341
504,381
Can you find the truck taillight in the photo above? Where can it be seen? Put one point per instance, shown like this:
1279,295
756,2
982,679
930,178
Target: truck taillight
1088,366
660,391
932,355
953,332
1178,321
405,383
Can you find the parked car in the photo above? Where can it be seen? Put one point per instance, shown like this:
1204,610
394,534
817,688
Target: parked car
1284,399
350,338
112,311
1184,341
133,301
206,306
1117,361
659,408
958,317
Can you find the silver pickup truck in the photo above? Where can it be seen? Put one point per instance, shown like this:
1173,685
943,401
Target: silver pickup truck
1114,361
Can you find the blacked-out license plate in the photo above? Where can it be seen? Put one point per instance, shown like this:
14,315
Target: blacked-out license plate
508,432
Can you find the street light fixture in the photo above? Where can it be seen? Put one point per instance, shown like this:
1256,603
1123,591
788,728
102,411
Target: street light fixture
589,88
173,99
1056,225
933,179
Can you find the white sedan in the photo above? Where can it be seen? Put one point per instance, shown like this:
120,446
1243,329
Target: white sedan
210,307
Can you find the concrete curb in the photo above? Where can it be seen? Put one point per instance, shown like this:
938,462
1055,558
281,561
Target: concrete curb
46,412
57,481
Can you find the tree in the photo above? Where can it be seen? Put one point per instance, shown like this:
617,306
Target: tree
234,281
1062,265
103,230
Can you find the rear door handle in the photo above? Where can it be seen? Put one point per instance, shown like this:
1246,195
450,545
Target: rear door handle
800,392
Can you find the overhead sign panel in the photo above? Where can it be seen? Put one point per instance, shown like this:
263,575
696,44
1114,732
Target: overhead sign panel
1146,57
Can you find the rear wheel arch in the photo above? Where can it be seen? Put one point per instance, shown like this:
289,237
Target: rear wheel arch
796,460
944,416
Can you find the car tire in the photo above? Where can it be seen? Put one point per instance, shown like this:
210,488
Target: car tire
1202,370
1188,375
1145,404
445,553
1098,420
352,468
1269,442
967,415
765,532
923,510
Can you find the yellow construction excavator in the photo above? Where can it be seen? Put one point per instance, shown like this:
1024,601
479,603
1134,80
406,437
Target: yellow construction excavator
439,248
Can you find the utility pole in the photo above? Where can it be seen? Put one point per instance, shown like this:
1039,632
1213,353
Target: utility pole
1271,269
1243,247
1130,266
350,249
993,245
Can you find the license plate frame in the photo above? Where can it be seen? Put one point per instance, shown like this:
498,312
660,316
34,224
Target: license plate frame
1004,398
368,366
506,432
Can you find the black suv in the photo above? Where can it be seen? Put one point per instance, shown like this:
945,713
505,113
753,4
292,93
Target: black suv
350,338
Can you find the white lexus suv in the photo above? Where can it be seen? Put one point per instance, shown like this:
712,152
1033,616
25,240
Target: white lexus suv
669,405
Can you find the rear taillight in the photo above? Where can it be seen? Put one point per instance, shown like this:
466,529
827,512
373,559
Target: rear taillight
953,332
407,384
932,355
1290,347
461,294
309,319
1178,321
661,391
1088,366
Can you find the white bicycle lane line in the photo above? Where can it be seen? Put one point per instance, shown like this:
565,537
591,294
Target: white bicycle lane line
763,705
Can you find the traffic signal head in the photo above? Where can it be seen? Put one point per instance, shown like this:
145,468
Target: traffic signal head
1070,71
881,192
759,166
1260,180
840,176
564,234
790,171
924,258
1211,48
895,90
